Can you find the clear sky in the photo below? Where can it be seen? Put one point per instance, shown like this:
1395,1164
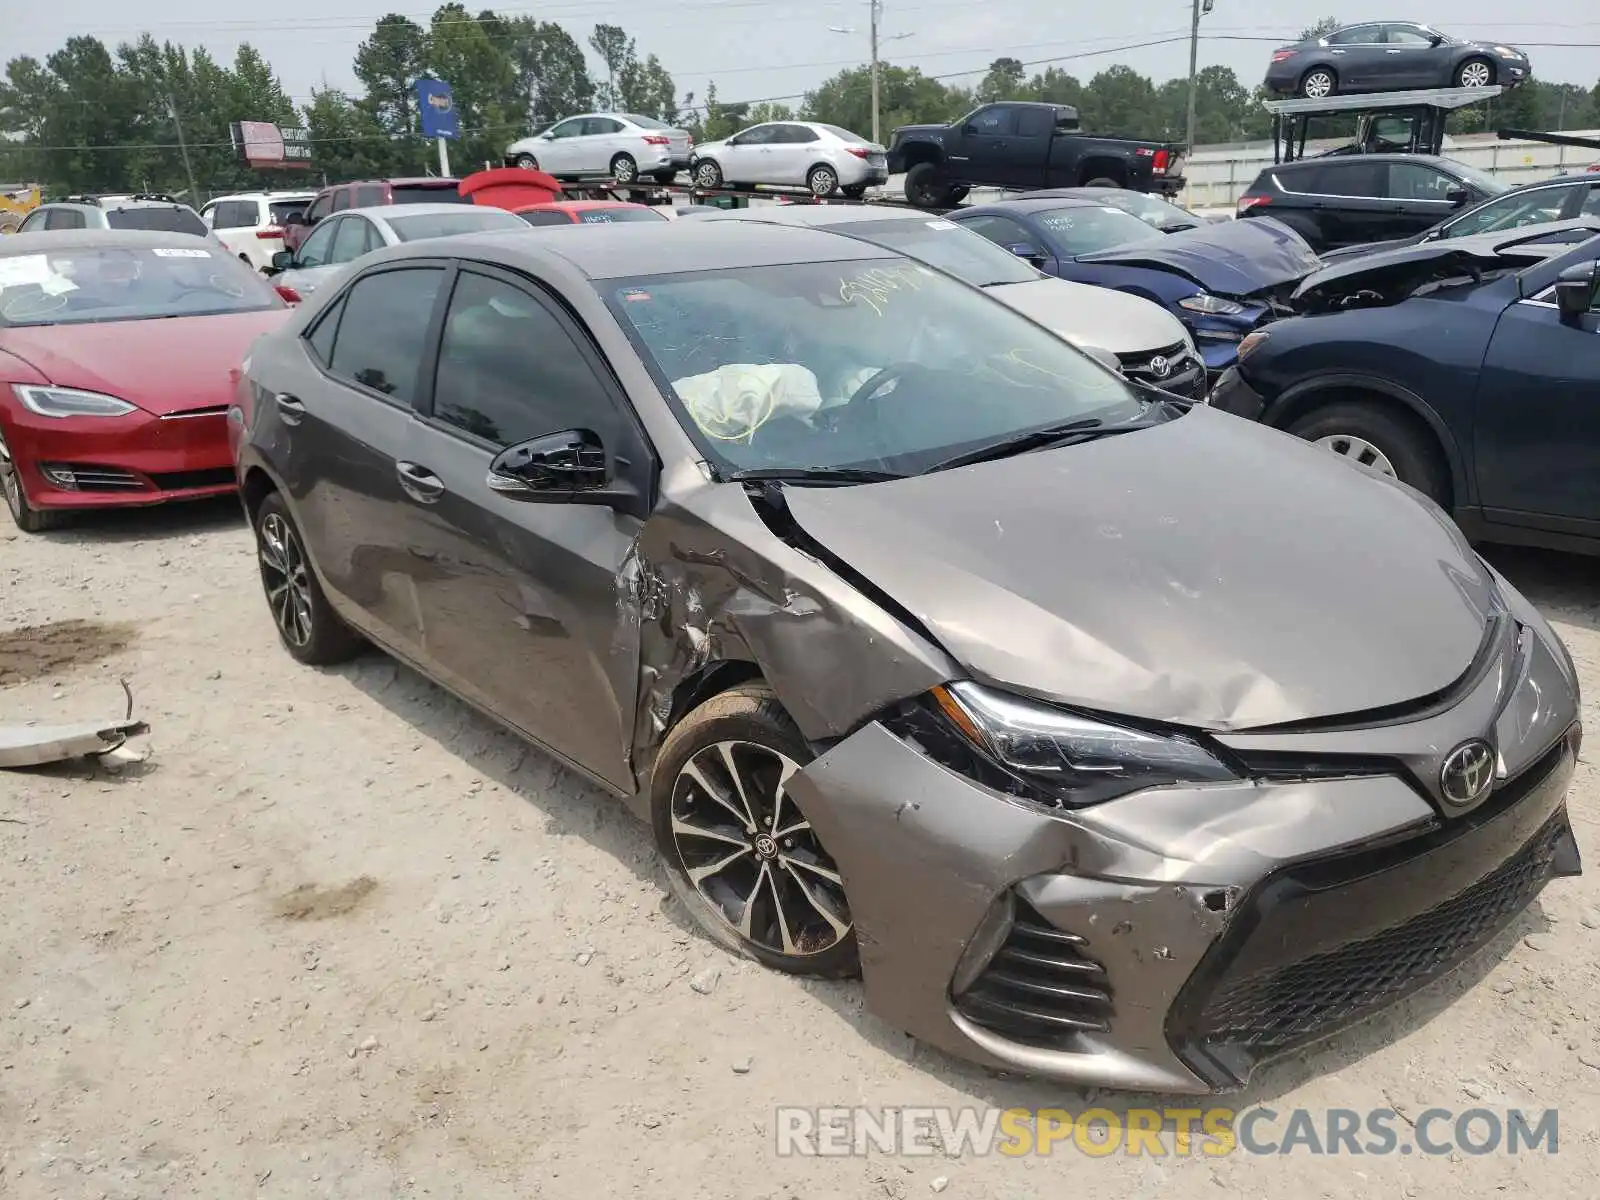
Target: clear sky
760,49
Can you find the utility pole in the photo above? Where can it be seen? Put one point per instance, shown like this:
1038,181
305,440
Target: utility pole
1201,7
194,192
877,12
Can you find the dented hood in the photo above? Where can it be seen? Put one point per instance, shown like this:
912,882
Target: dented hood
1209,572
1228,258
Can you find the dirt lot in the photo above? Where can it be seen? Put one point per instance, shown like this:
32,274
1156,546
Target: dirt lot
341,937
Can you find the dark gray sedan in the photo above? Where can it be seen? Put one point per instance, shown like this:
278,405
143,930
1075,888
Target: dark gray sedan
1110,738
1390,56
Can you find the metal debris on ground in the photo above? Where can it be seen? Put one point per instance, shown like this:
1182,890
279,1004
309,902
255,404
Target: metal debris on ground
32,745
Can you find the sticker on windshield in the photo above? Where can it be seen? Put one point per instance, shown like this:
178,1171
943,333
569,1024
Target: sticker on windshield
940,224
162,252
635,295
24,269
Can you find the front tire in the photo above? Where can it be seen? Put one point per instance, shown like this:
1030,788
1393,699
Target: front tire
742,856
624,169
1104,181
28,519
1475,73
307,626
1319,83
1390,442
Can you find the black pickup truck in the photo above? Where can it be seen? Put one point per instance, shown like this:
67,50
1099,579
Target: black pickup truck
1022,145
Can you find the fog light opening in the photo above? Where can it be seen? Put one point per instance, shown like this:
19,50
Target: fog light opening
62,477
985,943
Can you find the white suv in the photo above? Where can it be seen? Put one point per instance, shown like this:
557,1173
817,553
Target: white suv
146,210
250,224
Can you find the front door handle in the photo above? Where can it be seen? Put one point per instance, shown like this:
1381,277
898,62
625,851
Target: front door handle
289,408
421,484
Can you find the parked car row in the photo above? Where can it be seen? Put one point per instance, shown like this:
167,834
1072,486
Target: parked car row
765,525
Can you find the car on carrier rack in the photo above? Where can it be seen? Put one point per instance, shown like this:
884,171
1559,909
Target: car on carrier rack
117,351
619,146
1109,738
824,159
1392,56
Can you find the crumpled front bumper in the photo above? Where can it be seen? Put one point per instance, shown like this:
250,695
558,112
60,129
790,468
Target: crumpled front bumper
1172,940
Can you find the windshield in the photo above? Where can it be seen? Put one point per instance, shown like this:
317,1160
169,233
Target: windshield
163,220
1511,212
1481,180
432,225
1152,210
608,216
646,122
878,364
122,283
420,193
1075,231
282,209
944,244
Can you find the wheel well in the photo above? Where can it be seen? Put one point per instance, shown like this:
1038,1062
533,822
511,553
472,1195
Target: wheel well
822,163
713,679
257,487
1308,402
918,153
1102,168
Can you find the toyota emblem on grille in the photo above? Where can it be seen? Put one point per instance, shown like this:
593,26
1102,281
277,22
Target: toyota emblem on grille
1468,773
1160,367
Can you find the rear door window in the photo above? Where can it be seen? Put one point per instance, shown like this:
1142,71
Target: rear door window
64,218
166,220
412,193
282,210
235,214
384,330
368,196
1033,122
1356,179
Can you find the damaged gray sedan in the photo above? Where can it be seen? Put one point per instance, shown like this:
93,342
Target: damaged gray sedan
1109,738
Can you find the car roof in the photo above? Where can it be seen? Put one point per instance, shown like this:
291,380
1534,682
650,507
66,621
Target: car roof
558,205
264,196
641,249
1432,160
823,215
1038,203
89,239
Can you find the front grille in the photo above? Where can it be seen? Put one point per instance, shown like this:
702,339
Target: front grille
1253,1017
1041,988
214,410
179,481
1184,376
90,477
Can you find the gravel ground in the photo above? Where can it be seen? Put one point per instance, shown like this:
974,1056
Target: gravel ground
341,937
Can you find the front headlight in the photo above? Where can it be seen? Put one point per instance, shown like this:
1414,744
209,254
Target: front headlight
69,402
1071,758
1215,306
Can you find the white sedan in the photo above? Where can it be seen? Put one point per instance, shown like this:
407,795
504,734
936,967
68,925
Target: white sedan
346,236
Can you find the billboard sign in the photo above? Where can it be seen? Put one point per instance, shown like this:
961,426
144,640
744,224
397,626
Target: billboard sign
438,108
263,144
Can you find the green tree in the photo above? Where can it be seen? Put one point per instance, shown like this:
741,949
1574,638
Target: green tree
616,50
1320,30
769,110
387,64
1006,80
1055,86
1118,102
551,73
647,89
462,51
906,97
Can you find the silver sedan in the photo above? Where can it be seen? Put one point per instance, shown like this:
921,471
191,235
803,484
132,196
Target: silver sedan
356,232
808,154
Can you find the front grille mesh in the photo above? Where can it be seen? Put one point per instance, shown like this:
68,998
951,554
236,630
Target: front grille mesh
1041,989
1273,1010
1185,376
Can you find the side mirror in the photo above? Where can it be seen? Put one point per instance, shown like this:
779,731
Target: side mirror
282,260
565,467
1576,290
1436,39
1028,251
547,136
1458,195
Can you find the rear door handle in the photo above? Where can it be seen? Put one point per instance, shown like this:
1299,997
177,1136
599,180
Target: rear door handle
421,484
289,408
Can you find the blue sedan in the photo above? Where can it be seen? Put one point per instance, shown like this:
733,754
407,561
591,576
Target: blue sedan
1221,280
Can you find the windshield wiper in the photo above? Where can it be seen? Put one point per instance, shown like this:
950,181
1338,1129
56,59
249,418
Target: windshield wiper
1040,439
813,475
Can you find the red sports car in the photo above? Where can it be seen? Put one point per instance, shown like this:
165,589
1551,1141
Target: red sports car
587,212
117,355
